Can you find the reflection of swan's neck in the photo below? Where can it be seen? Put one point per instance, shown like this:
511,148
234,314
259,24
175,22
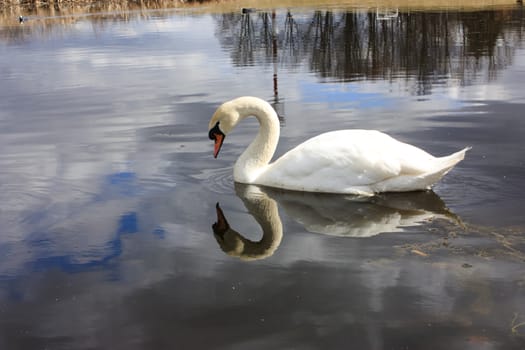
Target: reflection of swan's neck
258,154
265,212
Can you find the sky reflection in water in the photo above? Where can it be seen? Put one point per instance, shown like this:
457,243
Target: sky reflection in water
108,186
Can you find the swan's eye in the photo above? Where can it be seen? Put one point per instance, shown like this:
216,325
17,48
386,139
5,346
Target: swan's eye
214,131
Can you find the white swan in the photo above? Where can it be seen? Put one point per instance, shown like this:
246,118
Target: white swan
360,162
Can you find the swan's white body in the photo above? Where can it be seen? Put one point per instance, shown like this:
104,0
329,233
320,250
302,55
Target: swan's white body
360,162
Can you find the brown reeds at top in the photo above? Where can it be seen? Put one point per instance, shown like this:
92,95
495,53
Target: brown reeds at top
90,6
13,11
24,6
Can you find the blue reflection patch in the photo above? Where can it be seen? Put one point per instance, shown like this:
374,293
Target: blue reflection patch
159,232
128,223
343,96
123,183
67,263
100,256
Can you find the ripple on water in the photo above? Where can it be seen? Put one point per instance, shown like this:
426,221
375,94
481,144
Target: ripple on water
218,180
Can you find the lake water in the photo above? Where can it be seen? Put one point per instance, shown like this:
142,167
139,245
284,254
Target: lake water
108,185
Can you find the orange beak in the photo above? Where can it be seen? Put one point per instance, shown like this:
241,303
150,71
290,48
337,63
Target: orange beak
219,139
216,135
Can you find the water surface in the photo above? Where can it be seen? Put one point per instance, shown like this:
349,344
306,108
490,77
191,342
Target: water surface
108,187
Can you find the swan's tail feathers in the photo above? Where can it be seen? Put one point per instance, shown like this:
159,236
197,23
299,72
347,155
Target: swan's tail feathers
424,181
443,165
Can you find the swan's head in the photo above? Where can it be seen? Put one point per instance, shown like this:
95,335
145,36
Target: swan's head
222,122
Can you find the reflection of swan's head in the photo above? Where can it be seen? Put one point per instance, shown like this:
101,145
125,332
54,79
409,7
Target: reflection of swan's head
229,240
221,226
264,210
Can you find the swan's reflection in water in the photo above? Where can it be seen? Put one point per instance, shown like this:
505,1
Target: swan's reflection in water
330,214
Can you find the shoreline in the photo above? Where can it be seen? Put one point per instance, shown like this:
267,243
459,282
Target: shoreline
13,13
90,6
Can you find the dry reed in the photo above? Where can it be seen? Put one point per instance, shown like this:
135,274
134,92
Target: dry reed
227,5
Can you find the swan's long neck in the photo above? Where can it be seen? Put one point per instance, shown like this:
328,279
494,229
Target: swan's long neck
254,160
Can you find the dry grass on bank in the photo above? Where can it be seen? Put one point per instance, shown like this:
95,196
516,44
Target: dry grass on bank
89,6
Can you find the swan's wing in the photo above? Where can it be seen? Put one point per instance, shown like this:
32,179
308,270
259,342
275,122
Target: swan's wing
346,158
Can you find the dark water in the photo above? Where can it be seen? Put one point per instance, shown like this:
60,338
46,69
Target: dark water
108,187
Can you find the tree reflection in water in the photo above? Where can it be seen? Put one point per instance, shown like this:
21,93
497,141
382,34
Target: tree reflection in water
347,46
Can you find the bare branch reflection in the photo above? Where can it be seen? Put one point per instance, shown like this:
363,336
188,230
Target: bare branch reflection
432,47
